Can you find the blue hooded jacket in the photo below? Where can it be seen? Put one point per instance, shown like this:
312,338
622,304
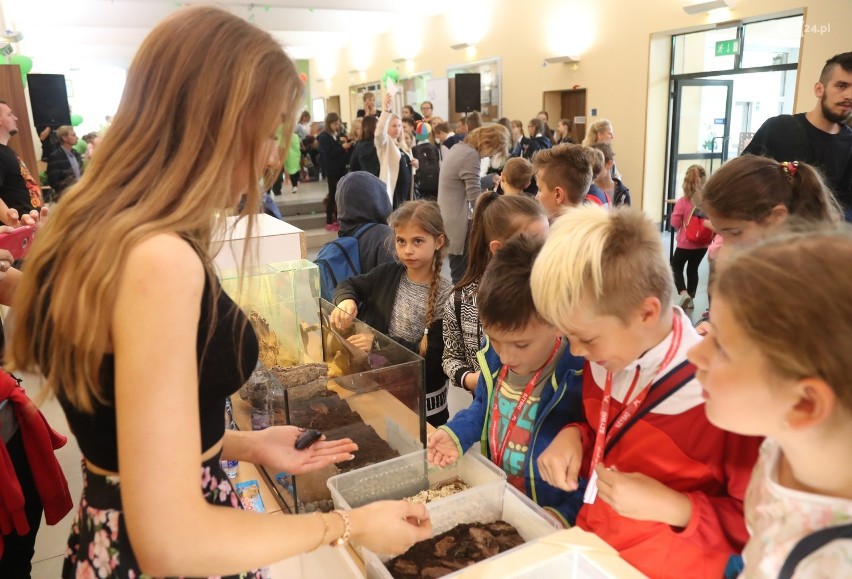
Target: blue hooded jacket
561,404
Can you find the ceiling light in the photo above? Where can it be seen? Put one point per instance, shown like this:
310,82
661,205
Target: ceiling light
562,59
462,46
12,36
398,60
704,7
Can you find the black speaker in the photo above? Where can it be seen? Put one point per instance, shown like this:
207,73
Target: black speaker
468,92
49,100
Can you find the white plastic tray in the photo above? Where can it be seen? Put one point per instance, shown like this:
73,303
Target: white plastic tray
406,476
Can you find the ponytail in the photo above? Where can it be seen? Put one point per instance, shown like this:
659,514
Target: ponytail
693,181
433,297
495,218
478,252
811,199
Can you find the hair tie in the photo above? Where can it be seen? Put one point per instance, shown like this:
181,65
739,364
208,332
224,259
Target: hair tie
790,169
425,331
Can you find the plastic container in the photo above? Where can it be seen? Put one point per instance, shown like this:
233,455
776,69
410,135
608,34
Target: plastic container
483,504
406,476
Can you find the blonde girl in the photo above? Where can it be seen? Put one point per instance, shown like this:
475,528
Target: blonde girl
496,219
405,298
776,363
395,161
137,340
687,253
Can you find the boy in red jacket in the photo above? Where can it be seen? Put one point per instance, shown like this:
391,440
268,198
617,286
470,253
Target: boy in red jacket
665,486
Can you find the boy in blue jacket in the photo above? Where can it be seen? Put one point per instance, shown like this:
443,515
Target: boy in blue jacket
530,386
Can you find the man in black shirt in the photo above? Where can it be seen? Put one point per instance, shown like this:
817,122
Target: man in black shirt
18,190
820,137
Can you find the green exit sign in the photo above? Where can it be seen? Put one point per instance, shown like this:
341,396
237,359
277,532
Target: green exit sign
727,47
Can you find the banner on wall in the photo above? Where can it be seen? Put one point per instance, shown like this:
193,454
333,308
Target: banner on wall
438,91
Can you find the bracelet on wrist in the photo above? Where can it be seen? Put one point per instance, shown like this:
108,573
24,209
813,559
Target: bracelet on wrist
347,529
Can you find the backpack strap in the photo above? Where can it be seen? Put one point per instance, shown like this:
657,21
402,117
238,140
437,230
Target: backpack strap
363,229
660,391
811,543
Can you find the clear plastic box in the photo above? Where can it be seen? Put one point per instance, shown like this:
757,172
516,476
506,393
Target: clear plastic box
376,397
483,504
406,476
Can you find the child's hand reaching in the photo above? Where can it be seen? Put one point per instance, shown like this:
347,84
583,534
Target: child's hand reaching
441,450
343,314
640,497
362,341
560,462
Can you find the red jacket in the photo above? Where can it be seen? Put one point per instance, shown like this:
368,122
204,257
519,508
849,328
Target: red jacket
39,440
677,446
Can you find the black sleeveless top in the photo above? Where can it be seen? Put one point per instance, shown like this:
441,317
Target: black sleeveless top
224,364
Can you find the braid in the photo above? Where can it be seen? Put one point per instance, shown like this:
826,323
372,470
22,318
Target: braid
430,307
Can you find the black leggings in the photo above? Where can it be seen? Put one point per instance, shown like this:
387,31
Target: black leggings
330,201
691,258
294,179
18,551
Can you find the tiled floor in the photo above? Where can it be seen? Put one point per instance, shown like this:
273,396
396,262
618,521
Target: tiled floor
51,540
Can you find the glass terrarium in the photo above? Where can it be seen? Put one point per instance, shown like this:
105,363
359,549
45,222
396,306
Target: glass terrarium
310,375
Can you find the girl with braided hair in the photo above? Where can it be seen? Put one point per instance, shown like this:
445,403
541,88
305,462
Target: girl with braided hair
405,298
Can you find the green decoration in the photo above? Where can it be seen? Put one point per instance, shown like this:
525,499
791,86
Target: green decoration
81,146
76,120
26,64
392,74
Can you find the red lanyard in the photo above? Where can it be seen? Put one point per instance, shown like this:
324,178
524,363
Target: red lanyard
497,455
603,437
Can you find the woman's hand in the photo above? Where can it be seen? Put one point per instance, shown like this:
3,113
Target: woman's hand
442,450
415,163
34,218
343,314
390,527
388,102
275,447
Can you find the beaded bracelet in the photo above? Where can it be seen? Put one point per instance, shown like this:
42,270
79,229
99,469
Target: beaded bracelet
347,529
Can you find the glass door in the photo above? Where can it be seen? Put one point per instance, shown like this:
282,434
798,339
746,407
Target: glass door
701,128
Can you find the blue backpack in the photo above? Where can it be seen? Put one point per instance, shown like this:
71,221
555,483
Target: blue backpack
339,260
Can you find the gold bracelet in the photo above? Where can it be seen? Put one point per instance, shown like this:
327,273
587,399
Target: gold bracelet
347,529
324,532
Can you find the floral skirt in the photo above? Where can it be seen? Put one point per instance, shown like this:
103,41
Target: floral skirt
99,546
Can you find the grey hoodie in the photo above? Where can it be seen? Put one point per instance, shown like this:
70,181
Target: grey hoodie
362,198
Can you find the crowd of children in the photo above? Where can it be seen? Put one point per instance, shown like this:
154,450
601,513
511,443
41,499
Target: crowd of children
594,392
591,388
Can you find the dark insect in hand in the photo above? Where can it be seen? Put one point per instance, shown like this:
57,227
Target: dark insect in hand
307,438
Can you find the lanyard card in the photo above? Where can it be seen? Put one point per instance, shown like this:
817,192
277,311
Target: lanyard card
591,489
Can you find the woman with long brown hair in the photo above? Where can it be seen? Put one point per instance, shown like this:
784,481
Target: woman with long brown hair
121,309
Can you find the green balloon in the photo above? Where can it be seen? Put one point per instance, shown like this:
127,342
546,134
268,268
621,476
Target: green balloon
76,120
25,62
392,74
81,146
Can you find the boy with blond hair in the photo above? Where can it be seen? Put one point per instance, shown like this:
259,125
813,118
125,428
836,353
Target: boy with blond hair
529,387
563,174
665,486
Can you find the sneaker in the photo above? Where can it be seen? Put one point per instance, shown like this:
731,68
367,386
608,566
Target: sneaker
294,190
684,300
329,227
335,226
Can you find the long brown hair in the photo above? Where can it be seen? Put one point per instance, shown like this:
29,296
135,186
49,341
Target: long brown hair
490,140
427,216
790,294
495,217
749,187
182,142
693,181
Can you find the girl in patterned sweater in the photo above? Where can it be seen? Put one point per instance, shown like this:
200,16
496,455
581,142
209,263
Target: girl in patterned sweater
496,219
405,298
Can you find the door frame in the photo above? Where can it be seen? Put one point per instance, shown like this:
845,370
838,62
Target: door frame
674,157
